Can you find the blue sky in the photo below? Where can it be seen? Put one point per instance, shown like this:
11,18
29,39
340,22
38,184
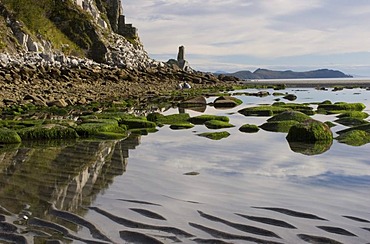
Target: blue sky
232,35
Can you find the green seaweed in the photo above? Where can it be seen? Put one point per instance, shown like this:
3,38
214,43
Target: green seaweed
248,128
354,114
354,138
137,123
351,121
201,119
181,126
215,135
263,110
9,137
279,126
93,129
340,107
217,124
290,115
309,131
47,132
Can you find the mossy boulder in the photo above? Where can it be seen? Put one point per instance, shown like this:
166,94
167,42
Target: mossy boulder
310,131
217,124
283,121
340,107
201,119
354,114
94,129
47,132
9,137
248,128
111,135
193,102
279,126
304,108
351,121
215,135
354,138
181,126
137,123
290,115
226,102
263,110
364,127
173,119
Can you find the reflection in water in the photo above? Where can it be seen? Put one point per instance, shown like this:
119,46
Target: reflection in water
314,148
66,177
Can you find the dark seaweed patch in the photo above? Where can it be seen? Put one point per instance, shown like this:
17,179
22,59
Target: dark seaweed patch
241,227
138,225
228,236
336,230
293,213
136,237
139,202
268,221
318,239
148,213
357,219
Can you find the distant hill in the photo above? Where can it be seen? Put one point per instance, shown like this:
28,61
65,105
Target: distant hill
288,74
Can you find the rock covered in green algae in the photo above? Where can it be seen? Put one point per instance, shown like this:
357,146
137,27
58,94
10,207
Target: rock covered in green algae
47,132
354,137
201,119
290,115
226,102
138,123
304,108
284,121
279,126
339,107
93,129
263,110
354,114
351,121
310,131
9,137
248,128
217,124
181,126
215,135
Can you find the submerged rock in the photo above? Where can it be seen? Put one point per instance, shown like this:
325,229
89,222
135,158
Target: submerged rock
354,138
309,149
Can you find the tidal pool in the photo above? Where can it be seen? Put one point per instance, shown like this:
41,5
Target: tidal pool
174,186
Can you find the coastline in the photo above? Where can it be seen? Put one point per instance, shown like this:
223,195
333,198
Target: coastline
321,82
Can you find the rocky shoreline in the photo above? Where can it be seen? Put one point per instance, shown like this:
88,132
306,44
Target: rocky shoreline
54,79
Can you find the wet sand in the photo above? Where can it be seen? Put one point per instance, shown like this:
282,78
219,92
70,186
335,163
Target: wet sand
347,82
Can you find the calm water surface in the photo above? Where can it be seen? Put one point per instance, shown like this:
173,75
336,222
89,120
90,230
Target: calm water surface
247,188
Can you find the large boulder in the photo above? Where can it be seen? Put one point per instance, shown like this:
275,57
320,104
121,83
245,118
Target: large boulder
310,131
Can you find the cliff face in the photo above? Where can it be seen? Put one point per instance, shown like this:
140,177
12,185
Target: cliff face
94,29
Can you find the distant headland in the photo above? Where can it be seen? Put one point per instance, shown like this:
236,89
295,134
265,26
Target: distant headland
288,74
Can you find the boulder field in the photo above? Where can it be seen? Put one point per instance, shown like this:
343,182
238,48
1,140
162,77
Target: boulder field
73,81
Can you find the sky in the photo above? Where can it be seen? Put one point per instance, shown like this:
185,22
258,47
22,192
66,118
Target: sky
233,35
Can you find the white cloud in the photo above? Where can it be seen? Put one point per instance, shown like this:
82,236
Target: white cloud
262,29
